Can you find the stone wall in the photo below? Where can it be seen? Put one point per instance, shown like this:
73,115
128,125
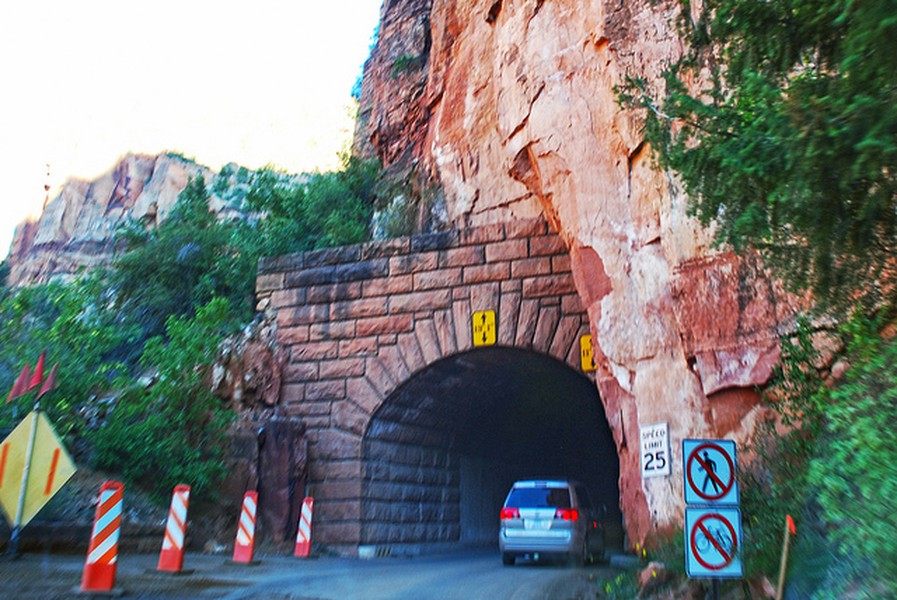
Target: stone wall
357,322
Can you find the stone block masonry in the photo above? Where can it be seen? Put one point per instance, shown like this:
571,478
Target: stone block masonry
357,322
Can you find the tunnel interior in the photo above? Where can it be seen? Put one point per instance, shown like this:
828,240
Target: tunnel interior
442,451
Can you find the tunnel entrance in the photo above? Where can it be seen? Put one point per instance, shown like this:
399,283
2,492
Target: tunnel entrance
441,452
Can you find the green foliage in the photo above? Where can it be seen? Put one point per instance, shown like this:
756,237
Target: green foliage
183,263
172,432
329,209
776,484
853,474
408,202
74,325
164,306
830,467
792,147
4,275
622,587
405,62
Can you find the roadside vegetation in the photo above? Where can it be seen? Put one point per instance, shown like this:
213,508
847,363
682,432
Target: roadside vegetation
788,148
135,342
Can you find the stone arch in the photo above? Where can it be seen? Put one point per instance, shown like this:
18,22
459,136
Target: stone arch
357,322
441,451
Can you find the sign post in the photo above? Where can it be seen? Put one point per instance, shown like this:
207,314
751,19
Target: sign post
713,539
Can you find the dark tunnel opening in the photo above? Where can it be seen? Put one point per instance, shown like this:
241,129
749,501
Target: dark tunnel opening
442,451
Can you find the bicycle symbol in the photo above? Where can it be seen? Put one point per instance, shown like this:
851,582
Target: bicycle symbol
723,541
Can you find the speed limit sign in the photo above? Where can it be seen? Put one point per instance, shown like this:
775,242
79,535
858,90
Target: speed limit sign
655,450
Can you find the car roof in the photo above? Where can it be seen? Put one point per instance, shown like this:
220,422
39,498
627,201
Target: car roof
539,483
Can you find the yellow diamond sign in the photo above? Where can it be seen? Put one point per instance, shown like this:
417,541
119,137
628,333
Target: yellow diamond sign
51,466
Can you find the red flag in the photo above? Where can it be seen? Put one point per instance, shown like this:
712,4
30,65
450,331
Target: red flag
791,526
49,383
20,387
38,377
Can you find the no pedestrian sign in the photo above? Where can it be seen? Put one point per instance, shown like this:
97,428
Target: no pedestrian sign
710,469
713,542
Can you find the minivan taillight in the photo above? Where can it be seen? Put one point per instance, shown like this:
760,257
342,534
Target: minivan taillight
509,513
567,514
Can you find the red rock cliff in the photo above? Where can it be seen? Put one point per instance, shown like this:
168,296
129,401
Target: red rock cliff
76,229
510,105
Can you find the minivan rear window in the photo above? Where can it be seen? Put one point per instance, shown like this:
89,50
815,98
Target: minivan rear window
547,497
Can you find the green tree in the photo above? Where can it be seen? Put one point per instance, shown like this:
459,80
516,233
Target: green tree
792,147
79,329
183,263
173,431
329,209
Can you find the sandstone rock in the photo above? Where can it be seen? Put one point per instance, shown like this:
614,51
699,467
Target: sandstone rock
512,108
77,227
652,577
269,454
283,473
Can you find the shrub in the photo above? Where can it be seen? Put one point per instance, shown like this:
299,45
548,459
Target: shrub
172,432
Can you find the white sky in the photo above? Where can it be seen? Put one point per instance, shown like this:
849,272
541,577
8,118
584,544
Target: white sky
84,82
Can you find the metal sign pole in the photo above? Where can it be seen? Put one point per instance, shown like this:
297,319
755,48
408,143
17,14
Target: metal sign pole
14,536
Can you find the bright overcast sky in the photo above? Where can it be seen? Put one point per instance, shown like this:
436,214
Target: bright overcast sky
84,82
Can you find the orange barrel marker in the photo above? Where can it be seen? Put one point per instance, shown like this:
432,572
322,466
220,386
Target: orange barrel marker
171,559
303,536
245,543
102,554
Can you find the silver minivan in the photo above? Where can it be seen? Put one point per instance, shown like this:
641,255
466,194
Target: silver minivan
543,518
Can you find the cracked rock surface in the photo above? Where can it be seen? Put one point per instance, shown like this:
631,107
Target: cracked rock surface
512,108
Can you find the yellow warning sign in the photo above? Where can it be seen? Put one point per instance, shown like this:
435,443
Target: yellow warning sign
587,357
51,466
484,331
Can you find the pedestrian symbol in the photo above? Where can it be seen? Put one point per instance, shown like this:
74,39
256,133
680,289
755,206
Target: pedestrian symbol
710,472
708,465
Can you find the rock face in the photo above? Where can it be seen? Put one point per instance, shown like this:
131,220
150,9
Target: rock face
511,107
77,227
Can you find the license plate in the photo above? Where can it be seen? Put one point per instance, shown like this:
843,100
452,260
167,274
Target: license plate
537,524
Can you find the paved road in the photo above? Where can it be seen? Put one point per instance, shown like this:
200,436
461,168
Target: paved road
467,575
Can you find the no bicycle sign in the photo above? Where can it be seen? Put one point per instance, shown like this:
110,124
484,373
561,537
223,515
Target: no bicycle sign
713,542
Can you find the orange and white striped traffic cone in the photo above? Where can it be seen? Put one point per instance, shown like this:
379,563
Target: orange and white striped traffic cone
303,536
171,559
245,544
102,554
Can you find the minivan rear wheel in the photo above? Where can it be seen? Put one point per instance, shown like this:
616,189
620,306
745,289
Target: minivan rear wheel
507,559
580,558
